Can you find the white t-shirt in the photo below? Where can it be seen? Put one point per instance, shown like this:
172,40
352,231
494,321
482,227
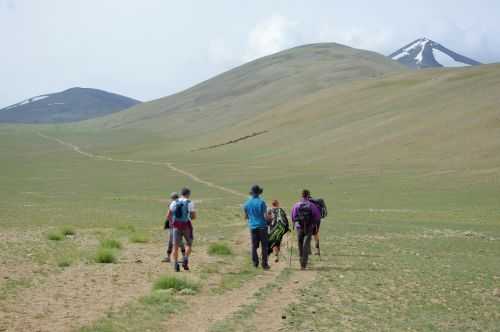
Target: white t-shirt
182,199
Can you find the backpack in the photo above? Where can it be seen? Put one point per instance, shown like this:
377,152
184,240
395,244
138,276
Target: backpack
278,228
304,214
181,212
279,217
320,203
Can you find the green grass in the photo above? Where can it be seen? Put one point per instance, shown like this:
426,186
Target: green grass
106,256
64,262
138,238
111,244
389,276
55,236
219,249
177,284
147,314
68,231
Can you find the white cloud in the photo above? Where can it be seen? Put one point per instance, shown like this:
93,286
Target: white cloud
219,53
375,40
270,36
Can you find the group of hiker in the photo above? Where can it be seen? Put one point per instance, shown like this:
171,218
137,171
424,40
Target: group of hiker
267,227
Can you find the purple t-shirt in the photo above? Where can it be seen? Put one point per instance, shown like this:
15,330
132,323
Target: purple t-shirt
316,213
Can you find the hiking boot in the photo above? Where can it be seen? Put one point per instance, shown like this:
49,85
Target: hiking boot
166,260
276,260
177,268
266,267
185,265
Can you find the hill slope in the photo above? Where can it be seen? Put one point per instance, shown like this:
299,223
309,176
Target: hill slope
256,87
425,53
74,104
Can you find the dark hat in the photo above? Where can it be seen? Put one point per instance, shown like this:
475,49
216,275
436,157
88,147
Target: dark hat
185,191
256,190
174,195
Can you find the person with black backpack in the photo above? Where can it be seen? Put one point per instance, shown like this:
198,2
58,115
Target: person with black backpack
182,212
320,203
278,227
305,217
168,226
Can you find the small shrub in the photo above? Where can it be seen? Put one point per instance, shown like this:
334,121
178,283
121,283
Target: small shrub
111,244
64,262
105,255
220,249
55,236
174,283
68,231
138,238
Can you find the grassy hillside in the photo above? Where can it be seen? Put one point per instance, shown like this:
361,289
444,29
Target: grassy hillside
254,88
408,163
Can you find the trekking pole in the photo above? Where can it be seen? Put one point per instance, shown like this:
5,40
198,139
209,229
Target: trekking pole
291,251
319,250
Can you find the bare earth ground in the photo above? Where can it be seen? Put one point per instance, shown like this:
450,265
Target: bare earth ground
81,294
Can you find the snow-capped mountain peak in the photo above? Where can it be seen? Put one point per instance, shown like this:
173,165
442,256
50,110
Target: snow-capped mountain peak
426,53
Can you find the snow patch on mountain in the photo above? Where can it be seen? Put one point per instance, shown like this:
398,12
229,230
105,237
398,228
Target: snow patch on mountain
425,53
27,101
446,60
420,55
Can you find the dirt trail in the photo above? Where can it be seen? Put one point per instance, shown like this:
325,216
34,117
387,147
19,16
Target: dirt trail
153,163
268,316
206,310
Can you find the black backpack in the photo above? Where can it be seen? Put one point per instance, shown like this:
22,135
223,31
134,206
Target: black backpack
304,214
181,212
320,203
279,216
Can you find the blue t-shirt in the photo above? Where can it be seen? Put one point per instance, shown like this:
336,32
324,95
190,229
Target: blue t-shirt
255,208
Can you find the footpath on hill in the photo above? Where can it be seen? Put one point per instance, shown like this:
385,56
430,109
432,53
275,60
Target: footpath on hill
81,304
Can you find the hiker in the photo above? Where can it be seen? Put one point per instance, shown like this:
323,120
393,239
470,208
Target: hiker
182,212
278,227
321,205
305,217
169,227
256,215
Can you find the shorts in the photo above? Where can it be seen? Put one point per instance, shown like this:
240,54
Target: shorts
179,233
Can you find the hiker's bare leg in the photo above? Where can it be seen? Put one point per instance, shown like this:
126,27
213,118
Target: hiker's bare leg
175,252
276,251
316,240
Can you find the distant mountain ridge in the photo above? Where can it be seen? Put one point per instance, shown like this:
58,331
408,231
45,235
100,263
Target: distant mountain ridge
426,53
74,104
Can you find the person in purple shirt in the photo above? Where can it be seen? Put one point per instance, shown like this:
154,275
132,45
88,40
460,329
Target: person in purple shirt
306,217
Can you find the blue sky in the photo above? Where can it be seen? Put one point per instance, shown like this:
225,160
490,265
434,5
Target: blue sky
152,48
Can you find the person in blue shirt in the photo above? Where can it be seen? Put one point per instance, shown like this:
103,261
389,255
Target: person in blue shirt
256,214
